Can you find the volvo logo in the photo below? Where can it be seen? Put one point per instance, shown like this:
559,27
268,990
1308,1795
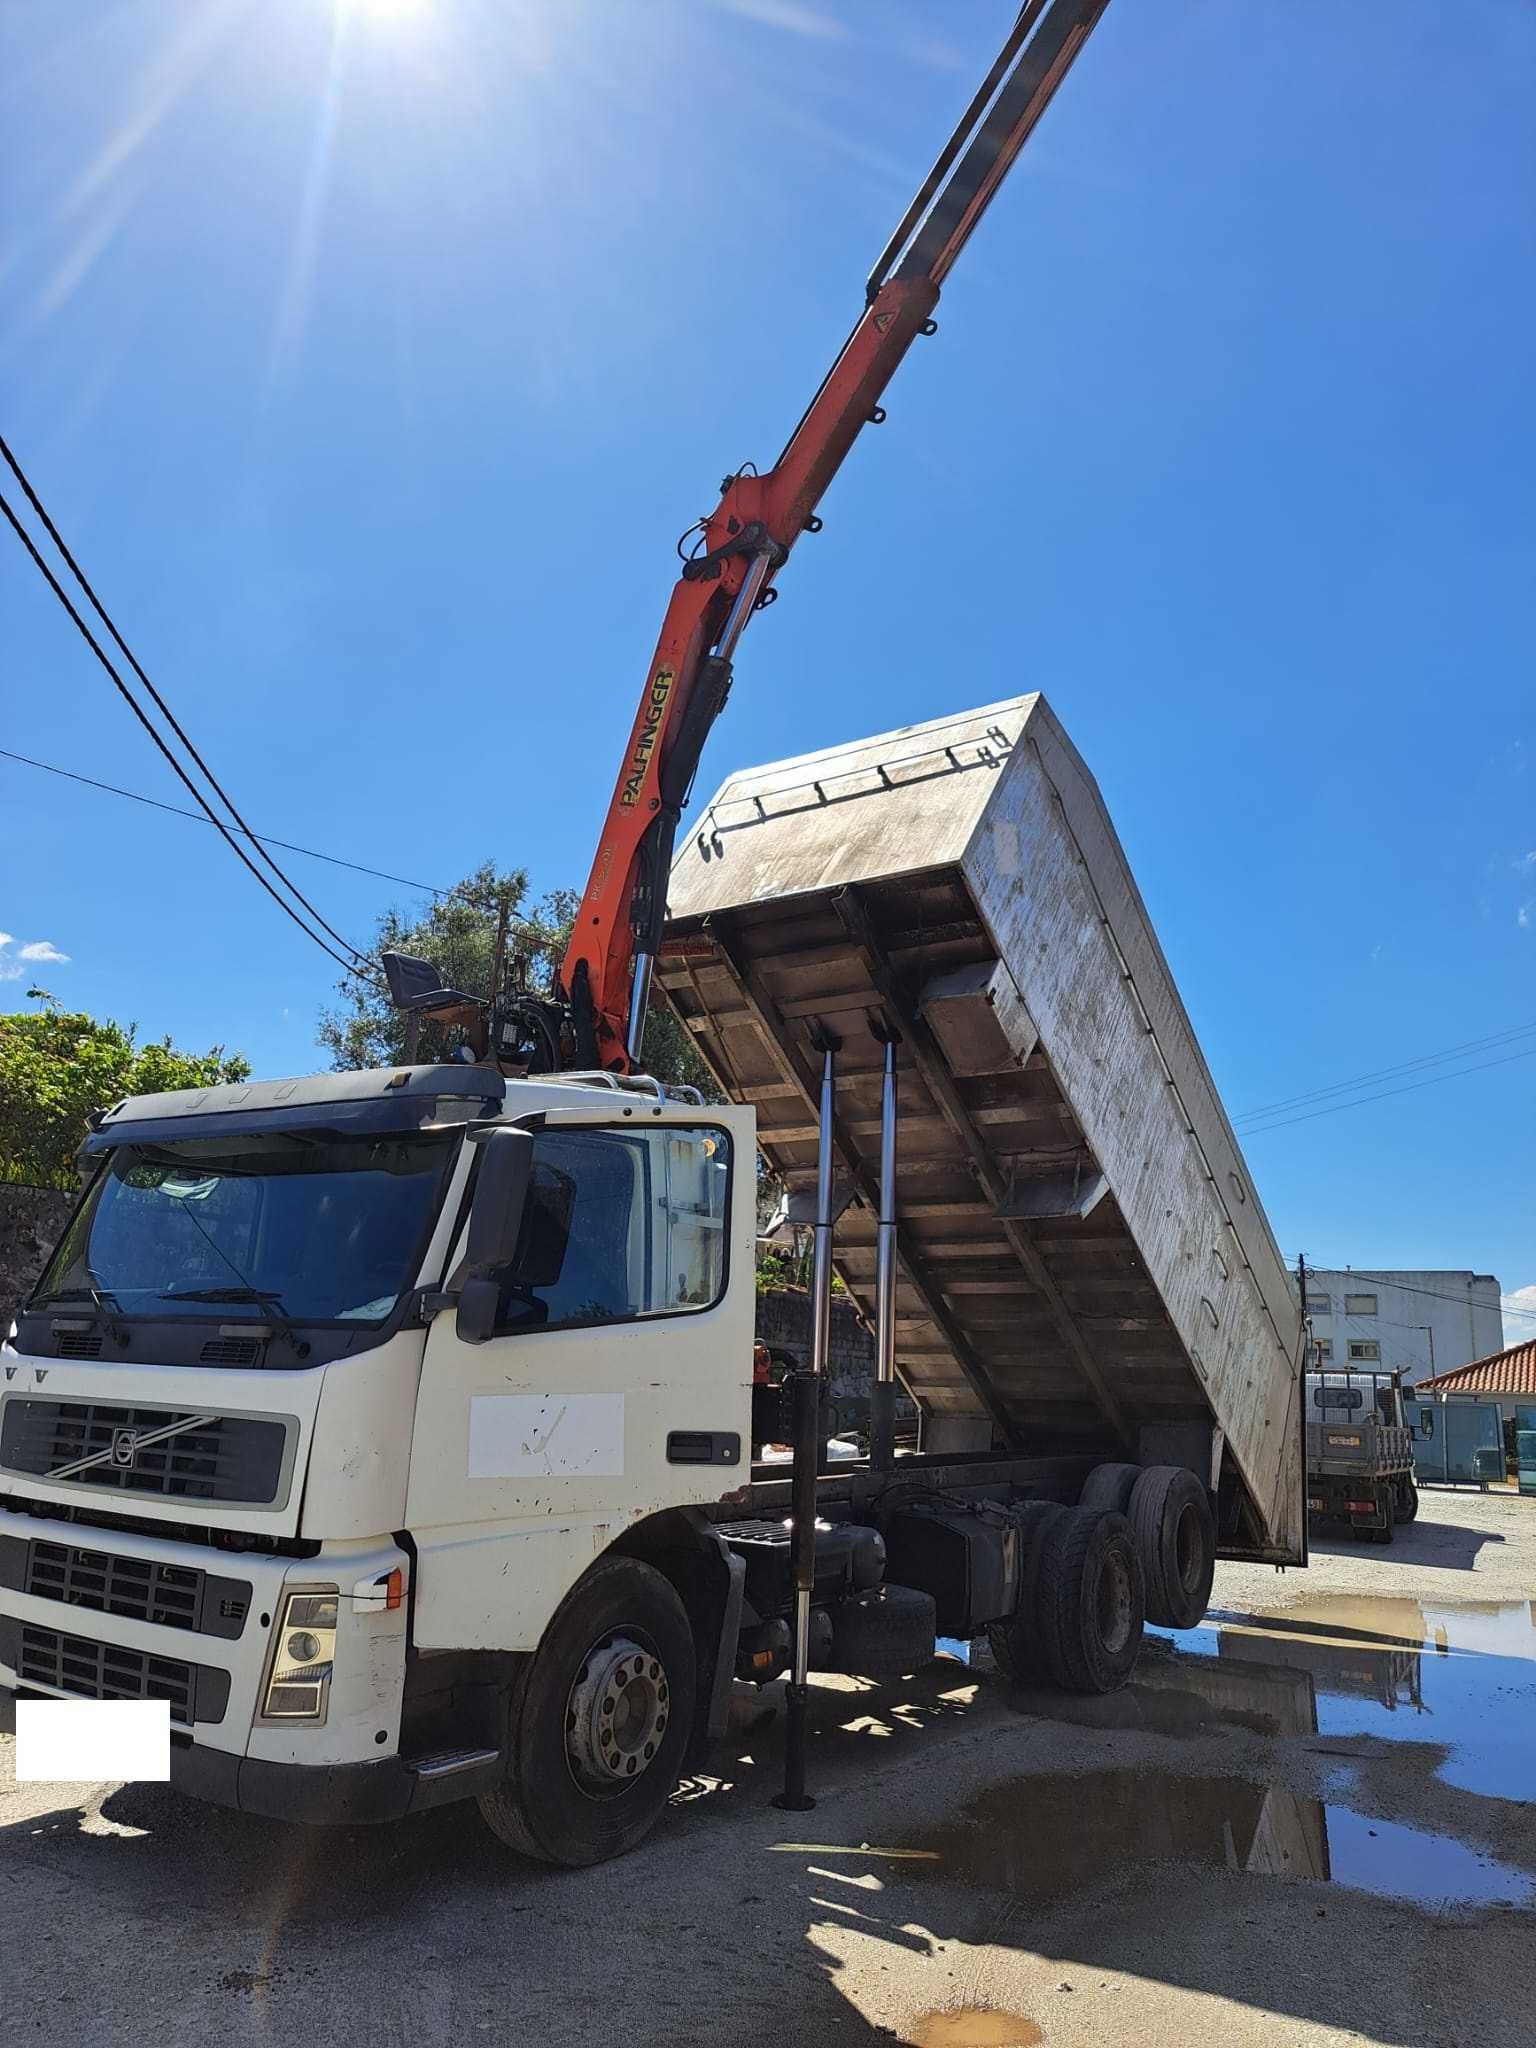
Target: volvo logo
125,1445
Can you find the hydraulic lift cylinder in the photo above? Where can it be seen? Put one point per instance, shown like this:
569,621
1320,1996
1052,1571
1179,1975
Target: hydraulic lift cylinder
882,1394
807,1397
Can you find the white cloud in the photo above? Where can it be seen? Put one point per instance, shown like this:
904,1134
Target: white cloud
789,14
14,965
1519,1329
1525,916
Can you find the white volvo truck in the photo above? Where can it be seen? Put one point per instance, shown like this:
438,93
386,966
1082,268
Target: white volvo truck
396,1427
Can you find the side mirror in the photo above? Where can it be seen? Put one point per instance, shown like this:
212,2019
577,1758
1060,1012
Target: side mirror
495,1219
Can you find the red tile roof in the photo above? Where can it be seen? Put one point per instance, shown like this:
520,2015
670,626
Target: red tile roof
1506,1372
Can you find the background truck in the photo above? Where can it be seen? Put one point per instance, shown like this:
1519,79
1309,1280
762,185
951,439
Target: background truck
1359,1452
395,1426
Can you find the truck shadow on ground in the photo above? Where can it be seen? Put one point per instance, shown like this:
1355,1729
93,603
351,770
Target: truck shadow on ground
1446,1546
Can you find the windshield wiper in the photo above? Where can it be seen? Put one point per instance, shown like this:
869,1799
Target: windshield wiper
101,1297
260,1295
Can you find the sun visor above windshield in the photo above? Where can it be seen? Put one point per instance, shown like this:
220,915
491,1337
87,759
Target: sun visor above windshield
385,1099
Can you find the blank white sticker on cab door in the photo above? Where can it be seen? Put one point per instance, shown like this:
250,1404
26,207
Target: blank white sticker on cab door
546,1436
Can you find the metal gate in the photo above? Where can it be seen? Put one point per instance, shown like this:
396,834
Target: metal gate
1525,1448
1447,1437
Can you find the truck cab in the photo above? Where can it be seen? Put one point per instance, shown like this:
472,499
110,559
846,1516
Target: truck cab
316,1418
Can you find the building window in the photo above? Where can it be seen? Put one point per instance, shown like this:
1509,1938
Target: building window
1359,1304
1324,1350
1319,1304
1364,1351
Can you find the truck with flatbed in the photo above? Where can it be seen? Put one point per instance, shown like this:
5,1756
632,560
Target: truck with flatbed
1360,1451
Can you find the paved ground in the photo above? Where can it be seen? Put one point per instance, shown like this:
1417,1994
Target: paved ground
1295,1827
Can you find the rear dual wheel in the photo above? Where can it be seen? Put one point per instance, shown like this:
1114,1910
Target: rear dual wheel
1081,1603
1175,1532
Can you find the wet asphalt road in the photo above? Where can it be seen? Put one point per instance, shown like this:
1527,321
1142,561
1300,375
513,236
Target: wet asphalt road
1307,1822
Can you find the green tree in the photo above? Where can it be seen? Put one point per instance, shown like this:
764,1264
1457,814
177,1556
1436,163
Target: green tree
57,1065
458,935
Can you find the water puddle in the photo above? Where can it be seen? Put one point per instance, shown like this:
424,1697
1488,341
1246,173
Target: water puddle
1460,1675
974,2026
1039,1838
1327,1671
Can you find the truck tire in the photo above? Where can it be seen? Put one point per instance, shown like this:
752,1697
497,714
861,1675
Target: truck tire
1389,1510
1175,1533
885,1633
598,1720
1016,1646
1091,1600
1407,1499
1109,1486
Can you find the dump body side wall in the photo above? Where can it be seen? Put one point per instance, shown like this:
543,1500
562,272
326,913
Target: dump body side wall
1050,879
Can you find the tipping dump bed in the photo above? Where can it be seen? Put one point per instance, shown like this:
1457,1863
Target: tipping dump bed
1083,1259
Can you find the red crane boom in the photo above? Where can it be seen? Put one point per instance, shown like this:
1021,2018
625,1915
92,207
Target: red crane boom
596,1017
605,976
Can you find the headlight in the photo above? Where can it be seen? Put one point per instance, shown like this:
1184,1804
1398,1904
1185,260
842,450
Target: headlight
306,1648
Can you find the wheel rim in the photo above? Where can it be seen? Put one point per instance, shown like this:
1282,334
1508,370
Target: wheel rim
1189,1551
1114,1605
616,1716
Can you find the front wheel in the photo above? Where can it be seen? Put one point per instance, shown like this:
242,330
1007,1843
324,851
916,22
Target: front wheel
599,1721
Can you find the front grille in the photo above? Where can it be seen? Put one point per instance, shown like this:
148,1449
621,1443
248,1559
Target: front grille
230,1351
222,1458
77,1344
109,1671
137,1588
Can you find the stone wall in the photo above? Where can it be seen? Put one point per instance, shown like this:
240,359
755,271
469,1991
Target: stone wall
784,1323
30,1222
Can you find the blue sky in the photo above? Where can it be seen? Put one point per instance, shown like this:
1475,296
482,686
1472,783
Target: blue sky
373,356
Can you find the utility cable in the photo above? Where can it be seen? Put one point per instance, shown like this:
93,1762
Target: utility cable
101,611
1388,1280
363,972
202,818
1428,1059
1408,1088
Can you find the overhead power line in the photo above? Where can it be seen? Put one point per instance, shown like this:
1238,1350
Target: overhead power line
1391,1280
1428,1059
142,716
1381,1095
201,818
212,780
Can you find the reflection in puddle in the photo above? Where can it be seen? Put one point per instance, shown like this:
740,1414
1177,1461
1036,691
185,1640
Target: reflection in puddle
1462,1677
1041,1837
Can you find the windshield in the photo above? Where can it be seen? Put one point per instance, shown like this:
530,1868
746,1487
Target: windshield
298,1225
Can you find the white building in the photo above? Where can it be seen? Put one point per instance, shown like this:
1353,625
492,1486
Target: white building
1417,1323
